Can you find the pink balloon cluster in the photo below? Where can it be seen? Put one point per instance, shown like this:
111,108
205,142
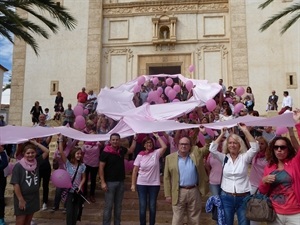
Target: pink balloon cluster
61,179
79,119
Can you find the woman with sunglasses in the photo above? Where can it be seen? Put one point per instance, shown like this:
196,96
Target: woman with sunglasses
281,179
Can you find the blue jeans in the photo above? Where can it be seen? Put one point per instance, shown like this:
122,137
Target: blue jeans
113,199
147,196
234,205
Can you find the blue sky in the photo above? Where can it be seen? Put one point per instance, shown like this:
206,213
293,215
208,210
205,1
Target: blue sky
6,49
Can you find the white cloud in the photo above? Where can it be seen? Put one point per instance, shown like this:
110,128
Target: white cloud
6,53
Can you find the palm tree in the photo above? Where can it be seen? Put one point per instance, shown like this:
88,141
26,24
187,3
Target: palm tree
295,8
11,23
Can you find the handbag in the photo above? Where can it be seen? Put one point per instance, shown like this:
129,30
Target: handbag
259,208
214,211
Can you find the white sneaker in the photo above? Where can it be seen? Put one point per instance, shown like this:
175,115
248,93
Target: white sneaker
33,222
44,207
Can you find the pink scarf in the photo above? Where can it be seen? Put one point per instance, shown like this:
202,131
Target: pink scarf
111,150
29,166
146,152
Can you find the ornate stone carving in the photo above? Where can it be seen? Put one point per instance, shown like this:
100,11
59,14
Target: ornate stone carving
123,51
138,8
204,48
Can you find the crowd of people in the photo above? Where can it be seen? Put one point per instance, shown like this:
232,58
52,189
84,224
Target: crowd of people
191,166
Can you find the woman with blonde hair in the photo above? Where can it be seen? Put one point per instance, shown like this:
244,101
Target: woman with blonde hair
235,185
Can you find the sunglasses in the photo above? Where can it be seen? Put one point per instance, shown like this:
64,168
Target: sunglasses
281,147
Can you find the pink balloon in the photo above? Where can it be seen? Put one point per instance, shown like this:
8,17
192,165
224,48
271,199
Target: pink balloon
240,91
61,179
171,94
211,105
153,96
78,110
80,122
176,100
141,80
155,80
167,89
160,90
177,88
189,85
86,111
229,100
136,88
191,68
238,107
169,81
281,130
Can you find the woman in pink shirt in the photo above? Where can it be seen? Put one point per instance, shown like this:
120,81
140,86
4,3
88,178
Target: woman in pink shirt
281,179
147,183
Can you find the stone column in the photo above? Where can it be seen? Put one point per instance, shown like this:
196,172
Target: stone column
239,53
94,45
17,79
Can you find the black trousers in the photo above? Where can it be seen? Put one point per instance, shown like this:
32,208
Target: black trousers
2,190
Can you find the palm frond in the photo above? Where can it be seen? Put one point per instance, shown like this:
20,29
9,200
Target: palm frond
278,16
13,23
289,23
265,4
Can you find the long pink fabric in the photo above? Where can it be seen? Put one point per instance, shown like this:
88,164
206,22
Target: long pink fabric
129,126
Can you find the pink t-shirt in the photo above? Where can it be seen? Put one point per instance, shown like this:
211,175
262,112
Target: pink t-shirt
215,171
148,168
91,153
257,170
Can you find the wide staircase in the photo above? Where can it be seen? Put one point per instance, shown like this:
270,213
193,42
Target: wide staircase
92,213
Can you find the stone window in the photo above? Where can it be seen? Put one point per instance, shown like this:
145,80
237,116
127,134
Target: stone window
54,87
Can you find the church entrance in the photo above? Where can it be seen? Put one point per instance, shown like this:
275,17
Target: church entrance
164,70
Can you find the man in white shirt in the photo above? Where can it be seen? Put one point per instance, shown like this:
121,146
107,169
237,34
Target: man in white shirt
287,103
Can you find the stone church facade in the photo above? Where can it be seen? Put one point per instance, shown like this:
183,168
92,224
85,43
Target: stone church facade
117,40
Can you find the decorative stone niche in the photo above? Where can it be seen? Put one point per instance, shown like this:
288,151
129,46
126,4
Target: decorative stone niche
164,31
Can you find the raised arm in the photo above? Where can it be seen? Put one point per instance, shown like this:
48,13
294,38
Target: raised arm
247,133
133,145
61,148
293,139
42,147
162,144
